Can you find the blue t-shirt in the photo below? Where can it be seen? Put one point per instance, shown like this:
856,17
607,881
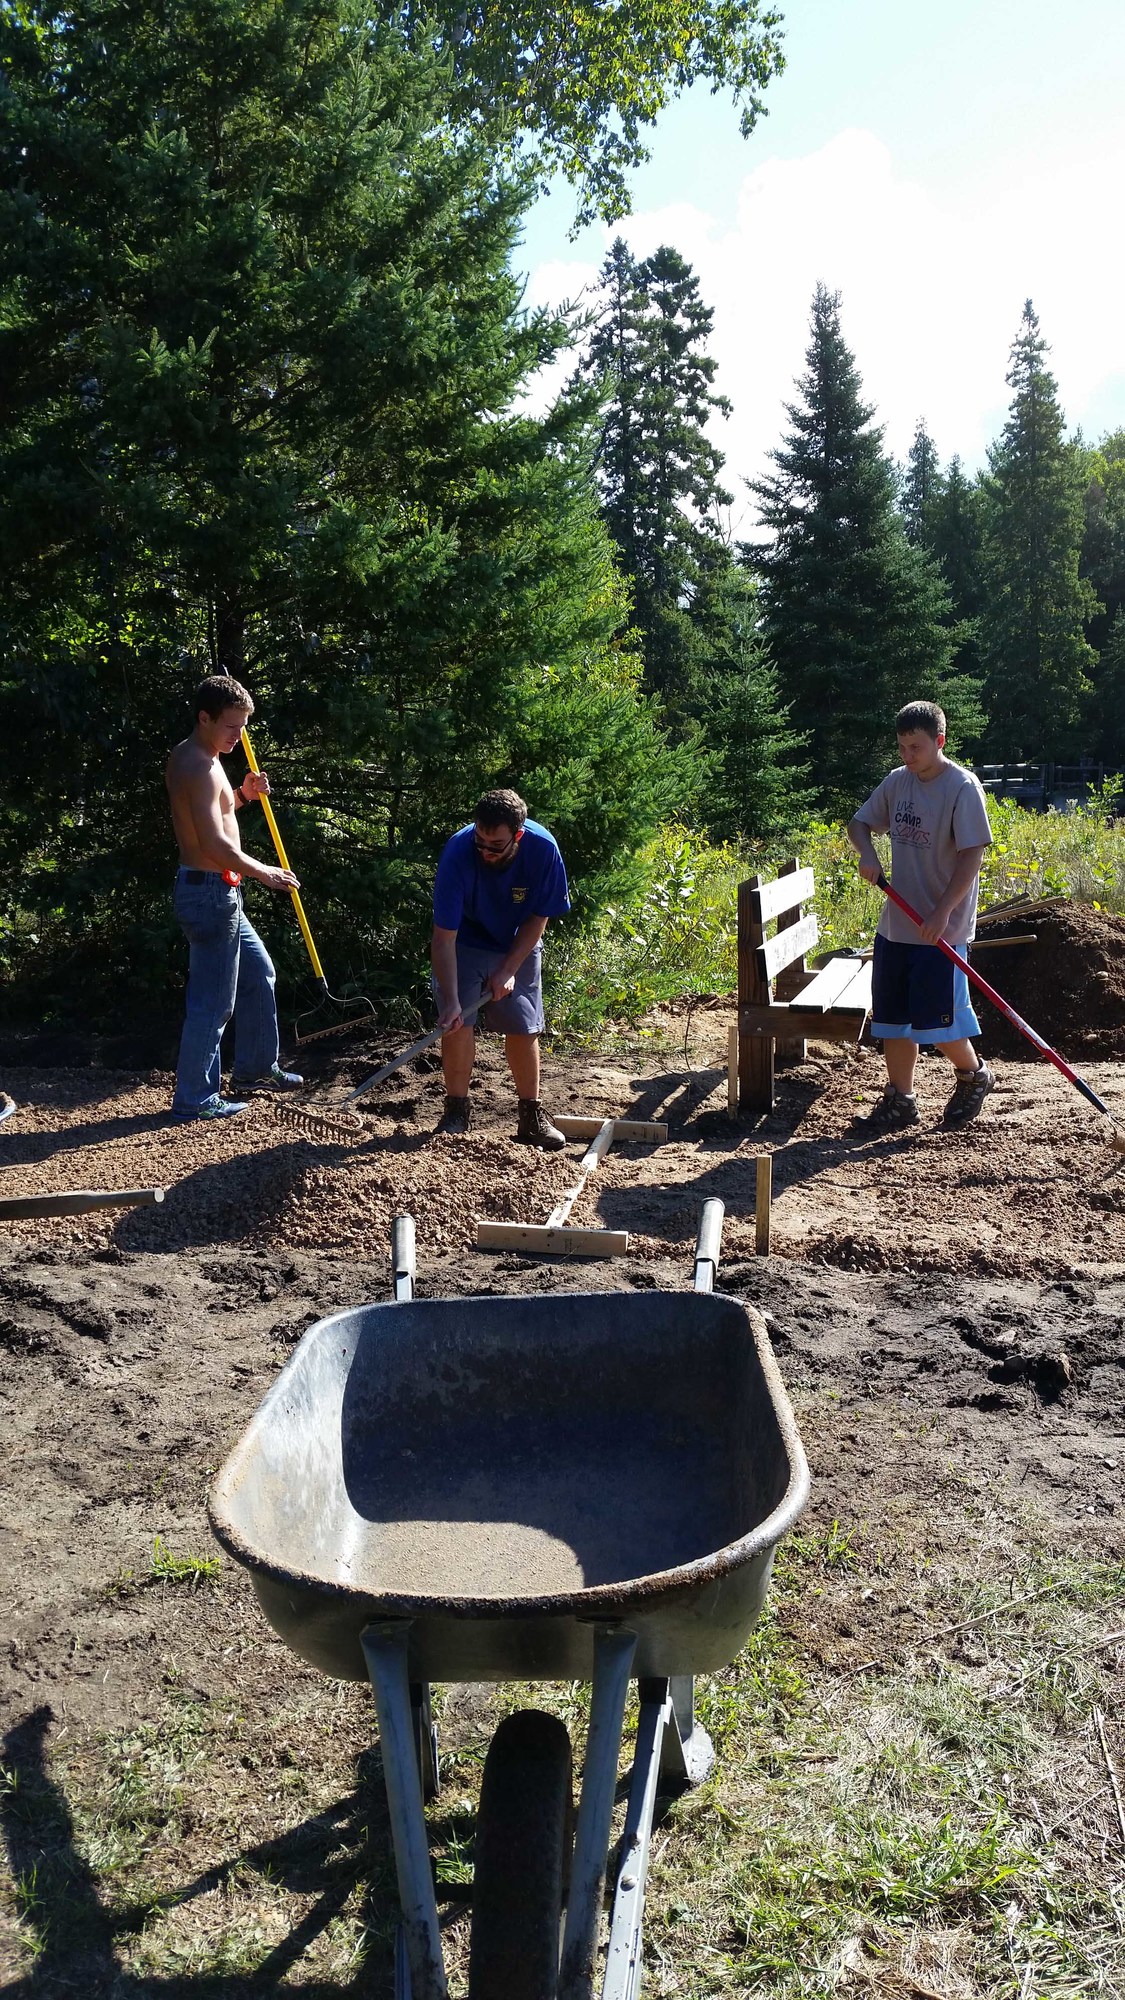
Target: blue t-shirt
487,905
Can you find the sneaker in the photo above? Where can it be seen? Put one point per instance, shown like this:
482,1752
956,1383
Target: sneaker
455,1117
215,1107
536,1129
969,1092
895,1110
274,1079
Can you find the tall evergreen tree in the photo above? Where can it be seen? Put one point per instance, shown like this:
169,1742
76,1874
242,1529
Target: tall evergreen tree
954,534
921,486
660,471
261,355
854,616
1037,659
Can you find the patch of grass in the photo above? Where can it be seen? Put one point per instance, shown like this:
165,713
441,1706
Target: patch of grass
170,1568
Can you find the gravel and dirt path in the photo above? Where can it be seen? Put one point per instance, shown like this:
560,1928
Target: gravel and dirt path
948,1310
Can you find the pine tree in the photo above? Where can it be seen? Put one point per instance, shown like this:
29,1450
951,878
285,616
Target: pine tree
954,534
261,356
854,616
1037,659
660,472
759,780
921,486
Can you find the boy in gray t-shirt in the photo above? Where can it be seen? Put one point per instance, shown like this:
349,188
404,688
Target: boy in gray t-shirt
937,820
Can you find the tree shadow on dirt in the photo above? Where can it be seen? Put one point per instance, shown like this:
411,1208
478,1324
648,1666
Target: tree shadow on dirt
673,1211
28,1149
77,1937
228,1200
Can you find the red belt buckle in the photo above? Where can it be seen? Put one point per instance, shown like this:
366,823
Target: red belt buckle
230,878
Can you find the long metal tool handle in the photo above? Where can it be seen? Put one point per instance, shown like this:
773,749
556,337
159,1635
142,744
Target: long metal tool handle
999,1001
417,1048
283,861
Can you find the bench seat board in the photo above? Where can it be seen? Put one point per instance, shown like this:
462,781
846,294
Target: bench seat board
828,985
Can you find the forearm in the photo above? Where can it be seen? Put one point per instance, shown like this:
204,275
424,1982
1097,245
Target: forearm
859,833
443,958
522,946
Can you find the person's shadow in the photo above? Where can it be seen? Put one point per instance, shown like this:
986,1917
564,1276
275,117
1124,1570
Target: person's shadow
76,1937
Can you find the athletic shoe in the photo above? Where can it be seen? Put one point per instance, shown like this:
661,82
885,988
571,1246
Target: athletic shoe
536,1129
895,1110
455,1117
969,1092
274,1079
215,1107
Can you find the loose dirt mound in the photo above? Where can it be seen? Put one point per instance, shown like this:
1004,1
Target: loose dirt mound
1069,986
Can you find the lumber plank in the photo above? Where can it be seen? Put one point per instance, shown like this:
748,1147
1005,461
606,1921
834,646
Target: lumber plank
626,1131
763,1203
78,1201
772,899
762,1023
547,1241
785,947
825,987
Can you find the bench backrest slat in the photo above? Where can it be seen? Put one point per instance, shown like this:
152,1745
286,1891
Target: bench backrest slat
772,899
786,946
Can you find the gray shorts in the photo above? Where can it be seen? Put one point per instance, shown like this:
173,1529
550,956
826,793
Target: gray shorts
521,1011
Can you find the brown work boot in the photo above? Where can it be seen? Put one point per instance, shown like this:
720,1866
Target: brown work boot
455,1117
536,1129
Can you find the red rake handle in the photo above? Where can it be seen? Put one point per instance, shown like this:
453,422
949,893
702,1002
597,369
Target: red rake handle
998,1000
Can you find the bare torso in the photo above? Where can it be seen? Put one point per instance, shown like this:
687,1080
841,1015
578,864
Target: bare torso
200,793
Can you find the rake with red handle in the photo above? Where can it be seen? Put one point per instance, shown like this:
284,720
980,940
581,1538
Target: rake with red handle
1117,1140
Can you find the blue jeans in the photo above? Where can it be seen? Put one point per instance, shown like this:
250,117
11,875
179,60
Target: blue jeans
229,972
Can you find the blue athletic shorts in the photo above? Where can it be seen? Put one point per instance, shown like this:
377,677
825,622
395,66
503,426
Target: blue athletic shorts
521,1011
919,995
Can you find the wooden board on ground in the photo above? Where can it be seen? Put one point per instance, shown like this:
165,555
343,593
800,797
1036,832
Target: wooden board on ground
78,1202
540,1238
626,1131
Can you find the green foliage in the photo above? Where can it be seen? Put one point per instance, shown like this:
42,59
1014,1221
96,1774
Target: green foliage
1037,659
262,357
675,933
855,616
659,471
576,86
1079,854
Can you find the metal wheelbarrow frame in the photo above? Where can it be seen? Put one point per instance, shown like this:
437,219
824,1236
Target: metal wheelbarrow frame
309,1512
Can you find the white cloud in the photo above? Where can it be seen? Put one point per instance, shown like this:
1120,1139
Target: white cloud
932,291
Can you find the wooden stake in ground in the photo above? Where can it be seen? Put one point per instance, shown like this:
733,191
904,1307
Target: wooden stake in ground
763,1200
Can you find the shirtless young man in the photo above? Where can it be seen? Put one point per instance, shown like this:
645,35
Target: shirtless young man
229,969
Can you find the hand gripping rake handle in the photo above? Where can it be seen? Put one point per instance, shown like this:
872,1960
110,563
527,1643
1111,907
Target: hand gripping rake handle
283,860
1009,1013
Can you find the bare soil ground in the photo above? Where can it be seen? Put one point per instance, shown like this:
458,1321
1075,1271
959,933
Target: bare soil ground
948,1310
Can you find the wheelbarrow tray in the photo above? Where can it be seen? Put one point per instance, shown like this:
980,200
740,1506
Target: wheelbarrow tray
507,1473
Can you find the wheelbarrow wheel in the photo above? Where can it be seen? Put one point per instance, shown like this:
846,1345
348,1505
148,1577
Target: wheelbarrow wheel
524,1833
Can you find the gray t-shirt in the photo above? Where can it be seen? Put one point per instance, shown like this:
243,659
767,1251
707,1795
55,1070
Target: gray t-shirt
929,821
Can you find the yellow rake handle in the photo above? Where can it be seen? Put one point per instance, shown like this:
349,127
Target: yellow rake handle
283,860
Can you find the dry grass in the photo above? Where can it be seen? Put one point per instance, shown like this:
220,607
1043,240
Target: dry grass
939,1822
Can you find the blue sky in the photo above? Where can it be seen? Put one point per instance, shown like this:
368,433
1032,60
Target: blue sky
935,163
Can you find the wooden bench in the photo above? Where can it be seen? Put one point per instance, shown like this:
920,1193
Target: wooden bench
781,1003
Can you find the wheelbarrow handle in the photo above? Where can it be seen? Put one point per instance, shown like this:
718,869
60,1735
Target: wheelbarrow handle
999,1001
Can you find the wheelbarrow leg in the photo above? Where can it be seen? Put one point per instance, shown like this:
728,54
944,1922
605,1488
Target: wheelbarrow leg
385,1650
687,1752
425,1739
613,1659
669,1744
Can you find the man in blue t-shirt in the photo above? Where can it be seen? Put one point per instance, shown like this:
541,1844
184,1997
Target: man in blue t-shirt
498,883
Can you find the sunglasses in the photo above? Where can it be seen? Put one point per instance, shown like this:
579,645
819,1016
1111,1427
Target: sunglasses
492,847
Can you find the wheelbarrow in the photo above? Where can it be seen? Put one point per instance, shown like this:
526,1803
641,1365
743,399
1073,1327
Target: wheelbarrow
567,1486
